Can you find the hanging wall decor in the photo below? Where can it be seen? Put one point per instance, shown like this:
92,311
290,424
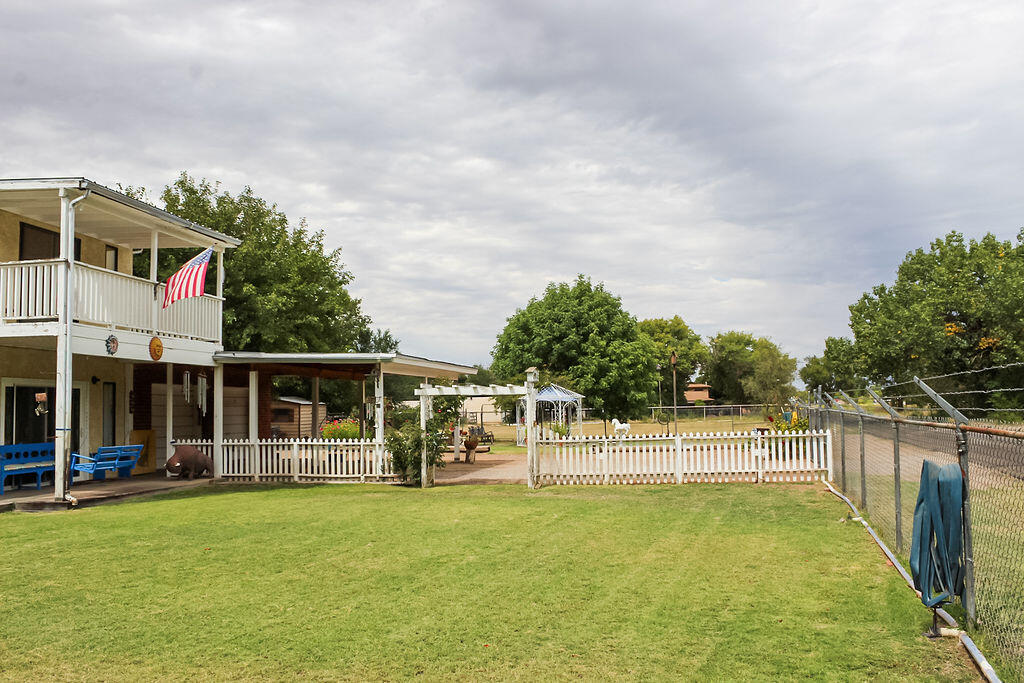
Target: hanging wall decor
201,392
186,386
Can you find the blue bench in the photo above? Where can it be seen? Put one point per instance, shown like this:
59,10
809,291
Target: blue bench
26,458
107,459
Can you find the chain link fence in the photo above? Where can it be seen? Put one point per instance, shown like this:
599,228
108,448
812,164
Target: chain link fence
878,465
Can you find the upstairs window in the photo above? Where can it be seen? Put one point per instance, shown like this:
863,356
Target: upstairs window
39,243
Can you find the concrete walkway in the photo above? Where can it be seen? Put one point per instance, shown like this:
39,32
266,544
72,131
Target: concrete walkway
96,492
489,468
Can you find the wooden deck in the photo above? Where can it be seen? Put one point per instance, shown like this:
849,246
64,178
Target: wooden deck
95,492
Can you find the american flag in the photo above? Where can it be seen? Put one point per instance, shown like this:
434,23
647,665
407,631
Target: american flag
189,281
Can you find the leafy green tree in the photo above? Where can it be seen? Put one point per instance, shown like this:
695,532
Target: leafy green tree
673,335
837,368
959,305
283,289
771,376
744,369
578,331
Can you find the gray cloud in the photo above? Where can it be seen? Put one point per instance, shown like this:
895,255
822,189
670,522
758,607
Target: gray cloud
744,165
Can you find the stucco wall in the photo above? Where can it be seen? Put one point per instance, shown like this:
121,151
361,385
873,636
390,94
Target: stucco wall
40,366
93,250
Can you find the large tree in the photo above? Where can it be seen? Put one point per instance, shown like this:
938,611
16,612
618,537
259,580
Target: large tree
742,368
956,306
578,331
283,289
673,335
837,368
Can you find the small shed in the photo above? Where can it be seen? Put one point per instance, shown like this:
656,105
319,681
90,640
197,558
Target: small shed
291,417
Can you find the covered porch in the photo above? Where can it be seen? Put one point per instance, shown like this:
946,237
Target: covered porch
242,443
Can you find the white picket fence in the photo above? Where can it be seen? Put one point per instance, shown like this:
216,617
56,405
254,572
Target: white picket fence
684,458
306,460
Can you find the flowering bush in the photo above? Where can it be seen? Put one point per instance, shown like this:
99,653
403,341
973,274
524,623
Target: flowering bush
340,429
779,423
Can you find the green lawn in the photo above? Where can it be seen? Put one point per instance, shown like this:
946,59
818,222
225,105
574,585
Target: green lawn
355,582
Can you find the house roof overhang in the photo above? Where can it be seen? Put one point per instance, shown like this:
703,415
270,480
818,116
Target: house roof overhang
107,214
343,365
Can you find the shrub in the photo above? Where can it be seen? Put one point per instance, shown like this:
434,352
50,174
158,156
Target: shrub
405,444
340,429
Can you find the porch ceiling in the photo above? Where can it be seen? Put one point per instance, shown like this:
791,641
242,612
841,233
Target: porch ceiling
107,215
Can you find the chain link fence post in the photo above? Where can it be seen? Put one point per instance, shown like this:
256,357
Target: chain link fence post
897,478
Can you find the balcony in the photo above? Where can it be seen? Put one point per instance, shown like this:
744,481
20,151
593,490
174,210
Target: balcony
103,298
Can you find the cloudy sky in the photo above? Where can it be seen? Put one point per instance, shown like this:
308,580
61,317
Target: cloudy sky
746,165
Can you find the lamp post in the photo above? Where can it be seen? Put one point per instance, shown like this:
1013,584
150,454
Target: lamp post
675,401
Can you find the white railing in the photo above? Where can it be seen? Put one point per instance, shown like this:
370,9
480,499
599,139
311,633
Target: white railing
684,458
307,460
28,293
104,297
195,318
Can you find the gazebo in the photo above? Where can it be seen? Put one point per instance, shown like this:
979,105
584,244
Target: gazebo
561,402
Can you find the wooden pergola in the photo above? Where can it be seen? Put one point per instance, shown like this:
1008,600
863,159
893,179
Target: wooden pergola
528,390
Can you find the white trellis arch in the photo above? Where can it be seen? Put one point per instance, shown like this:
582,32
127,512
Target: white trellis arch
427,392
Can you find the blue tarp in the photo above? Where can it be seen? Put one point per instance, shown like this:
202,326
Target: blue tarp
936,552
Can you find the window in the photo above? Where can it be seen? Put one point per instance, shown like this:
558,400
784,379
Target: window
110,256
282,415
39,243
22,424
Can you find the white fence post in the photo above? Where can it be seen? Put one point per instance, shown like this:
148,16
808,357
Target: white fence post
295,460
678,444
759,450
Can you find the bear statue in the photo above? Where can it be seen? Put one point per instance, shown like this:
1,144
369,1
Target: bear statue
189,461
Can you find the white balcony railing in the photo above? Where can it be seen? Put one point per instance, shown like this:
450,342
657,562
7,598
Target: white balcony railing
28,293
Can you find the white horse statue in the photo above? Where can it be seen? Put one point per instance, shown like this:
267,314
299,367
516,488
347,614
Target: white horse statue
621,428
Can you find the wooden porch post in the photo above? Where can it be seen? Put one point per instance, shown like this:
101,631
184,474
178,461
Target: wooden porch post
254,422
169,411
218,421
314,431
362,408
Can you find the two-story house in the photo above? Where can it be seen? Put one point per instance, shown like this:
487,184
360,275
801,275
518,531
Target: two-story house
89,357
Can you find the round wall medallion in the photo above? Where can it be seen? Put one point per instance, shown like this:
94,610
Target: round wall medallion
112,344
156,348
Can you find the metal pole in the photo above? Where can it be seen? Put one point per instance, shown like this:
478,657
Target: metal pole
897,477
675,400
863,460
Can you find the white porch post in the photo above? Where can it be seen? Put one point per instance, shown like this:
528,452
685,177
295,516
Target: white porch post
218,421
378,420
362,409
531,417
254,422
314,431
426,480
62,388
154,255
169,411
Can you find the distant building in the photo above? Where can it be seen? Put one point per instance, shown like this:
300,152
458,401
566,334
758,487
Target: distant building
698,392
291,417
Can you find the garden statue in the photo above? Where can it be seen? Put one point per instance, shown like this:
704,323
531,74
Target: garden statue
621,428
189,461
471,443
